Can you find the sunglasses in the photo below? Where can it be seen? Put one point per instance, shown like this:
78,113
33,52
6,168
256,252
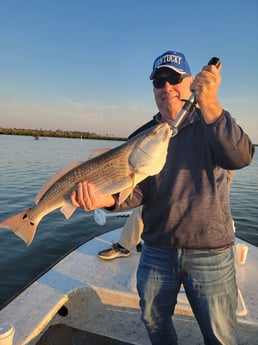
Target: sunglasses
173,79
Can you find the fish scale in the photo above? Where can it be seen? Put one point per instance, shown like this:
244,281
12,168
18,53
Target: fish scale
115,171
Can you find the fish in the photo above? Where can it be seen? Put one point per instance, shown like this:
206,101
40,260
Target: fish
116,171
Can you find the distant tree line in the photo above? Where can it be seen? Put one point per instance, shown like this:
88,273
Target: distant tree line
37,133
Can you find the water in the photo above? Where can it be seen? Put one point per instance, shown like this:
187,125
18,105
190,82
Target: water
27,163
244,201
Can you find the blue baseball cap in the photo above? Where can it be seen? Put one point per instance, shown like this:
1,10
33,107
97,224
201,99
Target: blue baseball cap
173,60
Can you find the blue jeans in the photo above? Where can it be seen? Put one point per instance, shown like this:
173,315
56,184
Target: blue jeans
209,280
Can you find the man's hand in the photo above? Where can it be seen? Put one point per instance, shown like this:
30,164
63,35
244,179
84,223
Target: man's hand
88,198
205,87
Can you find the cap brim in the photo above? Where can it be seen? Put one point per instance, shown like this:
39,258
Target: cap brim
179,71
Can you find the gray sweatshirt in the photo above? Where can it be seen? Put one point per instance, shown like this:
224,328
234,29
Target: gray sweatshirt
187,204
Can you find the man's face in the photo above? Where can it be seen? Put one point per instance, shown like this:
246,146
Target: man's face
169,97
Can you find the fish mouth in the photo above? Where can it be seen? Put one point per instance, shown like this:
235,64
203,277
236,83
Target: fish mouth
166,136
168,132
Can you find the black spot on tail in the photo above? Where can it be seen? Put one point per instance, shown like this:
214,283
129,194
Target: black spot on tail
25,217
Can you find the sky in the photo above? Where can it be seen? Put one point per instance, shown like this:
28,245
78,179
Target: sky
85,65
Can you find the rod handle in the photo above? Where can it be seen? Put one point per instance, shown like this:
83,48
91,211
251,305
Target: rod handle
214,61
189,104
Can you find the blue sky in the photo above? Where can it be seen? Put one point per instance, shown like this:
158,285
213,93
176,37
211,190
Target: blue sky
85,65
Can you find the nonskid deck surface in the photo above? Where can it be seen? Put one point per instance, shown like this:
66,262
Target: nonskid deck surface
187,330
64,335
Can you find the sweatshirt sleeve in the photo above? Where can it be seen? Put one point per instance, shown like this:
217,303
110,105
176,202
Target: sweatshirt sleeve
231,146
136,199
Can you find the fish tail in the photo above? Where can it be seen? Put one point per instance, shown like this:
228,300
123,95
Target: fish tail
22,226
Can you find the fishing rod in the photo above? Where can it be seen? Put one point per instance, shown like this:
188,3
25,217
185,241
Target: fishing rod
100,215
189,104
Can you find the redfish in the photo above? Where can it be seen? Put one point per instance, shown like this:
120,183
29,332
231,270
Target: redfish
116,171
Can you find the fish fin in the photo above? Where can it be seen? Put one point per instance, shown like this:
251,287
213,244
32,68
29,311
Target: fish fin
22,226
97,152
67,209
123,195
54,179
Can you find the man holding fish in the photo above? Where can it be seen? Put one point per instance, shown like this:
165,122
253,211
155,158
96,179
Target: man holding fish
188,233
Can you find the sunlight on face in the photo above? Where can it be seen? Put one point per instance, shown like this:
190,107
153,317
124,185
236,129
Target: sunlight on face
169,98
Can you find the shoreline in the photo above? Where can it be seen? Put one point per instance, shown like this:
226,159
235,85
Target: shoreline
38,133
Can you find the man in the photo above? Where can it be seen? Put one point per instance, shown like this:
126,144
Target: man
188,233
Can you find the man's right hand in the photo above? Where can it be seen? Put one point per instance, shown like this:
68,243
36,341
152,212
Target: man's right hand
88,198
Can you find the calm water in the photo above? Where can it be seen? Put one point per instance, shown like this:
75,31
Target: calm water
27,163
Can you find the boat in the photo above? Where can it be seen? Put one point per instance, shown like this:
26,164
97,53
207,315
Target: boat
85,300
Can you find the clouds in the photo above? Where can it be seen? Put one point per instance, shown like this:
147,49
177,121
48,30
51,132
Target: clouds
68,114
118,119
86,67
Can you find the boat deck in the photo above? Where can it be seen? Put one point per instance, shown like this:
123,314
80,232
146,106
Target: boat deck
64,335
91,297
